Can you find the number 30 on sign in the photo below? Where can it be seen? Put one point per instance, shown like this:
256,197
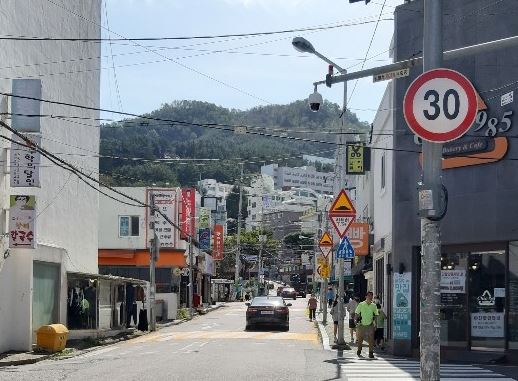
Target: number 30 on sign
440,105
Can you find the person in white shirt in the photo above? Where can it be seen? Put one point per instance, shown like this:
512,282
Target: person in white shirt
351,308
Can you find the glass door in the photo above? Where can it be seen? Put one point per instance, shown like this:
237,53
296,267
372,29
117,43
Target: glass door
487,276
454,313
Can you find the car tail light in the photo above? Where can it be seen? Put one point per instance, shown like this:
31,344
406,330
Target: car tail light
282,309
252,309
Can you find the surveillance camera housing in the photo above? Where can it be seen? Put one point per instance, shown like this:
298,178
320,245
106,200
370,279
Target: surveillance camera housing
315,101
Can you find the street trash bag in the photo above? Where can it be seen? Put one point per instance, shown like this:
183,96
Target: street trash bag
142,320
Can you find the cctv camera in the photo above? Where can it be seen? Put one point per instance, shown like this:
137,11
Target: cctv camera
315,100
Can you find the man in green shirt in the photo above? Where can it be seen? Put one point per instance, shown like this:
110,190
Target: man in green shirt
365,328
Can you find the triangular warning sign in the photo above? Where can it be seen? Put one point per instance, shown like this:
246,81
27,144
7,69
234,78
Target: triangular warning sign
326,250
342,204
341,223
326,240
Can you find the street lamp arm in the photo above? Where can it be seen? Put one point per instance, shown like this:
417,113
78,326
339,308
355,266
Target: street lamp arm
324,58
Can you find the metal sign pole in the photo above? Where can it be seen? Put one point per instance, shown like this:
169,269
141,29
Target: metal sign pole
430,230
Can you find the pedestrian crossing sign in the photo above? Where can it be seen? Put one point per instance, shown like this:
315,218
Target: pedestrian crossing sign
345,250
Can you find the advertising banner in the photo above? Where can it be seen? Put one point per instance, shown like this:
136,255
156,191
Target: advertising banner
401,320
217,250
23,109
204,220
22,215
359,236
188,222
25,163
165,201
204,239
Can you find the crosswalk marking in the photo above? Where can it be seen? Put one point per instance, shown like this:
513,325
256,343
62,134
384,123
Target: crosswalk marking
387,369
228,335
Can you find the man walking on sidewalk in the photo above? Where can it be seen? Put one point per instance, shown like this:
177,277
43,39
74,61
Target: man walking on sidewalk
366,311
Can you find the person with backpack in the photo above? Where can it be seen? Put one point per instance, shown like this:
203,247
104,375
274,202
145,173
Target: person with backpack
380,324
365,315
351,308
330,296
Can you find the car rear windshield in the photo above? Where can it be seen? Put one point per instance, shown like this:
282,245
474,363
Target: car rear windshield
267,302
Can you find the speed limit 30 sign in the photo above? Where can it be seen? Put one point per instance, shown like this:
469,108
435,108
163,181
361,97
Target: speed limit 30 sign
440,105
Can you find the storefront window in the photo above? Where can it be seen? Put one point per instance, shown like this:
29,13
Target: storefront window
487,274
513,295
454,315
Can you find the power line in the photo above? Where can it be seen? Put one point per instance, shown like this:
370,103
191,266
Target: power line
253,34
368,49
164,56
113,61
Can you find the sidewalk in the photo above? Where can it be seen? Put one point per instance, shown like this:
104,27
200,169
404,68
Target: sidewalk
81,346
326,332
400,368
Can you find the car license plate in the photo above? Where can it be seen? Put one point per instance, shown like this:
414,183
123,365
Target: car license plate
266,312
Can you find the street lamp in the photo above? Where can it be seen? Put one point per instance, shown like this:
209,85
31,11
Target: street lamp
304,46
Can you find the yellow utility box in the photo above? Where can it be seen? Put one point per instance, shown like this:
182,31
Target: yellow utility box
52,338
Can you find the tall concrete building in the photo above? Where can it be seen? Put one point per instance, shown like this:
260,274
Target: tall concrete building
34,282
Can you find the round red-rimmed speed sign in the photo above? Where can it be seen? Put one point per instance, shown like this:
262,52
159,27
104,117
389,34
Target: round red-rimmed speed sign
440,105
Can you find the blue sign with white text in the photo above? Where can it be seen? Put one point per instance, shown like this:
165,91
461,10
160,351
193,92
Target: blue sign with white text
345,250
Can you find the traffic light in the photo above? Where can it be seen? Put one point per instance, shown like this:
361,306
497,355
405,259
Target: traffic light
357,1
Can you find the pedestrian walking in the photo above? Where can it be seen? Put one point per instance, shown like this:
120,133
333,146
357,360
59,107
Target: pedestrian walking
379,334
351,308
366,312
330,296
312,305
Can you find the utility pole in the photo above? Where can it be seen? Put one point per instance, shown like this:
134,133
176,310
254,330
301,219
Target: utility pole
154,252
430,230
341,184
239,216
191,280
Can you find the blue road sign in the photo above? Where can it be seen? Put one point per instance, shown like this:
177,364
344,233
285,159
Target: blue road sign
345,249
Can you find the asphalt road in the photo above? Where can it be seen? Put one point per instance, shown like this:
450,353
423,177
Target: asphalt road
210,347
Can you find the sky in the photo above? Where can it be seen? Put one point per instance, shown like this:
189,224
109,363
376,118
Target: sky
244,72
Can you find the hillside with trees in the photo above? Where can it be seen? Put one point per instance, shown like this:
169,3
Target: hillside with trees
184,141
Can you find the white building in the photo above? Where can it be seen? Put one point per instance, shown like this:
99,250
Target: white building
34,282
300,177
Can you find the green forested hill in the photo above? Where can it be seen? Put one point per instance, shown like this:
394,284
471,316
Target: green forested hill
158,151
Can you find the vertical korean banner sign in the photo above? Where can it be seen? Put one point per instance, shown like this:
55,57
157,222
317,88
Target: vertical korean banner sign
22,215
401,309
25,163
217,250
188,212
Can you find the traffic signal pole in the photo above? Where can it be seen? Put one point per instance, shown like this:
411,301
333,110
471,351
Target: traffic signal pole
430,344
342,184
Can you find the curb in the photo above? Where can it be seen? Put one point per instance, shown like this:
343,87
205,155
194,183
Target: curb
55,356
24,362
323,336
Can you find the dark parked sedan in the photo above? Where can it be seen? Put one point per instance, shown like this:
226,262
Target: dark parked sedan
289,292
268,310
